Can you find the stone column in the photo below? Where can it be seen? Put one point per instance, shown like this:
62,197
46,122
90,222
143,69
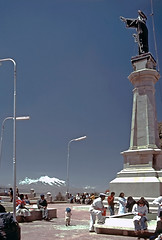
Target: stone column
142,172
144,138
144,130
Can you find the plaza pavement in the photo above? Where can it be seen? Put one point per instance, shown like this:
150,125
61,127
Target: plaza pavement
56,229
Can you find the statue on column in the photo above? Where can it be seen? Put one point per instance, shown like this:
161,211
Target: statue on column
142,32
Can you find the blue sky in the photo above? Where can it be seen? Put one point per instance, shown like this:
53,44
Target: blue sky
73,59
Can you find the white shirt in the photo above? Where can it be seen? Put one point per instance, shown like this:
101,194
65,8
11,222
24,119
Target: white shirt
139,209
158,202
97,203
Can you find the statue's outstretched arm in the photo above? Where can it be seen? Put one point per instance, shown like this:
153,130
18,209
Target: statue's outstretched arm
123,19
130,22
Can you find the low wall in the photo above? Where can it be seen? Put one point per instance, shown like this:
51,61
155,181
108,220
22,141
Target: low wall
123,225
36,214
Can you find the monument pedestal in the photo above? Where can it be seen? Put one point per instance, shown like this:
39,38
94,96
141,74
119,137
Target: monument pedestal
142,172
139,179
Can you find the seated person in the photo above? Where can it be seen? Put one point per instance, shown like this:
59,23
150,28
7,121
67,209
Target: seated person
42,205
21,210
71,198
140,211
27,201
96,210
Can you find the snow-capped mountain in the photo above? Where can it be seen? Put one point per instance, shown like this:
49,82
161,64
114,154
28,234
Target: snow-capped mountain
44,179
43,184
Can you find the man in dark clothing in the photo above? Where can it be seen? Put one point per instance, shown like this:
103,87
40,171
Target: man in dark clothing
11,194
142,32
42,205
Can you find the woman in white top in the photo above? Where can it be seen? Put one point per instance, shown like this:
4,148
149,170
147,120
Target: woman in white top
122,203
140,211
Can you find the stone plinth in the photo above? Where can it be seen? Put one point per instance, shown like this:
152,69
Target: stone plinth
143,158
141,175
143,61
138,182
121,225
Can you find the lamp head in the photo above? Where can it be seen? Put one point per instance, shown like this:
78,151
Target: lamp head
80,138
23,118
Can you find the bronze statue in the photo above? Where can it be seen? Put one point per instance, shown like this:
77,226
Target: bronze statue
142,33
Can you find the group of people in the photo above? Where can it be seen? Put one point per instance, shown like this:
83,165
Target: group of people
82,198
139,208
21,206
125,205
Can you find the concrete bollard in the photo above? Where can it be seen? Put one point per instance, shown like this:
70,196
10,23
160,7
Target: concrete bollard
49,197
32,193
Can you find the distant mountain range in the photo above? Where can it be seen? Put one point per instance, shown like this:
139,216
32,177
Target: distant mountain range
46,184
43,184
44,180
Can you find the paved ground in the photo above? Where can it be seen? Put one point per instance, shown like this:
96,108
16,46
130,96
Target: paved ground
56,229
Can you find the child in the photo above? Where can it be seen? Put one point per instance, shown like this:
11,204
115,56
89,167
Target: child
68,216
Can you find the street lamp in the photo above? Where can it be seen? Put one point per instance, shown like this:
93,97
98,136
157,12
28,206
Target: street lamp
14,136
73,140
2,130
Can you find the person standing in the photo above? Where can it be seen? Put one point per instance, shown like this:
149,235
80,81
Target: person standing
122,203
17,192
10,193
111,203
97,209
42,205
158,202
68,216
130,203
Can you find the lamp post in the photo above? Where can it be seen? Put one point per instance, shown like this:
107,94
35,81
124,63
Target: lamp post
67,181
14,135
2,130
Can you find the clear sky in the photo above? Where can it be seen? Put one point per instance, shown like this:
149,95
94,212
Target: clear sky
73,59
